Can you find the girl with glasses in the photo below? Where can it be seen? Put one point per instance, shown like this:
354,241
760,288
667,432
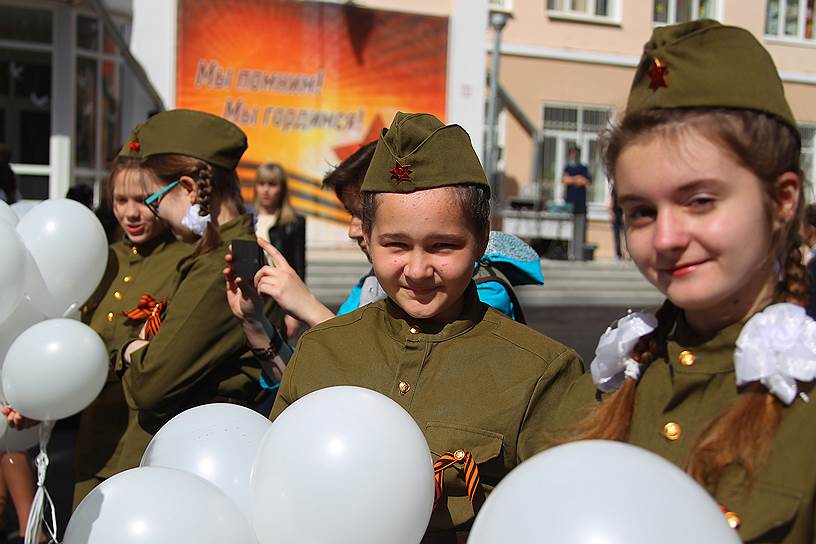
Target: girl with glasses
192,351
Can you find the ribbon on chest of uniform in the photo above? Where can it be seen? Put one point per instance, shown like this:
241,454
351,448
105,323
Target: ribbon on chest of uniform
449,459
150,310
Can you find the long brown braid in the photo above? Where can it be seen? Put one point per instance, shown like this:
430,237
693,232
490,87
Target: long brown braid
742,434
216,187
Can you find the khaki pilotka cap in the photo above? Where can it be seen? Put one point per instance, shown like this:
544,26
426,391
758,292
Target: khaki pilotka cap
192,133
419,152
705,64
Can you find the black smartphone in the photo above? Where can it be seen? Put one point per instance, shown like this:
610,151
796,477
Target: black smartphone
247,259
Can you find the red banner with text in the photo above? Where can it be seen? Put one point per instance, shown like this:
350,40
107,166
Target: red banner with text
309,82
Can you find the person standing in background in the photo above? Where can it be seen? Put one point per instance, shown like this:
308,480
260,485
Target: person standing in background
576,178
276,219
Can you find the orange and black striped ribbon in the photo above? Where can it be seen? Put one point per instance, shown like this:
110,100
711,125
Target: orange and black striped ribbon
448,459
150,310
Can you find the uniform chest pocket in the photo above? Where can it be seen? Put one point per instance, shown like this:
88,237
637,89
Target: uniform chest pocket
766,512
485,447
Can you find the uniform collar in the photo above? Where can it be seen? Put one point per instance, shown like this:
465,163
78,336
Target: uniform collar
146,249
403,327
713,353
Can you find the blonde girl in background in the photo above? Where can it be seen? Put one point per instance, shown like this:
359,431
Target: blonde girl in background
276,221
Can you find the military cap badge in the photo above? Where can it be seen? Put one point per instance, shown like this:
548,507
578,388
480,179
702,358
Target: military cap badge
657,73
401,172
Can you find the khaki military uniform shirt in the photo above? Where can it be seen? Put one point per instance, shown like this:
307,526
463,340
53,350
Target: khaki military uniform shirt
482,383
199,354
677,398
132,271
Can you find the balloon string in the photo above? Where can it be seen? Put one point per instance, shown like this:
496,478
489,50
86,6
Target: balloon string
42,499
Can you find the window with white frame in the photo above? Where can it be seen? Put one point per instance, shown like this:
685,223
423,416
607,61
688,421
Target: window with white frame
26,49
679,11
591,10
789,19
98,121
573,125
808,132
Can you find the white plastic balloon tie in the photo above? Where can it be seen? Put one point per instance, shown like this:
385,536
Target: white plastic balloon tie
42,499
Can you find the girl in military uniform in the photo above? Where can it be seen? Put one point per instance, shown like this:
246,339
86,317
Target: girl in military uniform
192,351
476,382
705,164
141,272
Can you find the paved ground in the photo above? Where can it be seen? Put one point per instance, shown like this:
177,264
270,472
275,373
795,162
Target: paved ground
576,327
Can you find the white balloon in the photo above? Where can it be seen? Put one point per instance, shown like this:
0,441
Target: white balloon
24,315
54,369
343,464
599,491
37,292
69,246
12,269
217,442
22,207
7,215
160,506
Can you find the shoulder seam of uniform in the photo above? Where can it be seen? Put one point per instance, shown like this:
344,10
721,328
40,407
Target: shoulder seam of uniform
340,320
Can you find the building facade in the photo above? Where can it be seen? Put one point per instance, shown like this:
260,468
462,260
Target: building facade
76,75
568,65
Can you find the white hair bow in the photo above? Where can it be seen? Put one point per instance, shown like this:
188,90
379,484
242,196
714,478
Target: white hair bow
613,362
194,221
777,347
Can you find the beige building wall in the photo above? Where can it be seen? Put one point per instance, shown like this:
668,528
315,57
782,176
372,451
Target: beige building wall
552,60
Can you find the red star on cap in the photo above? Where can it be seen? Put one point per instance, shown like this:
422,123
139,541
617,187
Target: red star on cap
401,172
134,145
657,73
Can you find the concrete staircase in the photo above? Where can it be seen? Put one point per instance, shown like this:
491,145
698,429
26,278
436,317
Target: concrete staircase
332,273
590,283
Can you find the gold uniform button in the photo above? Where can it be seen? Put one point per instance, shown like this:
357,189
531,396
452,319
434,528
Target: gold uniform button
404,387
672,430
134,250
732,519
117,295
687,358
459,455
413,330
110,316
127,279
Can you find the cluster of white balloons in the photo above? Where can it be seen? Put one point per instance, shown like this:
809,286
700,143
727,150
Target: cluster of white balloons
52,366
342,464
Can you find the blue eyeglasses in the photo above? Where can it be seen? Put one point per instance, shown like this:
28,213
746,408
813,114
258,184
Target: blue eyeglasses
154,199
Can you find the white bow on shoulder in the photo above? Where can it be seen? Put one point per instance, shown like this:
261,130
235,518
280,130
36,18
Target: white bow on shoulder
777,347
613,362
